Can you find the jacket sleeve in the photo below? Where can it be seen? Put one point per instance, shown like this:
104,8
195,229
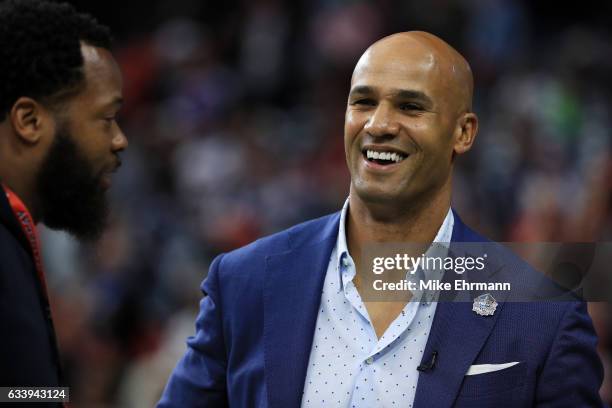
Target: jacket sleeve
573,373
199,377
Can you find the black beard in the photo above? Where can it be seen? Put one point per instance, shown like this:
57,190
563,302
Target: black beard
69,192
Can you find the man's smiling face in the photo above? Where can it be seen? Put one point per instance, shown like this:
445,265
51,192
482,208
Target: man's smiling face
402,121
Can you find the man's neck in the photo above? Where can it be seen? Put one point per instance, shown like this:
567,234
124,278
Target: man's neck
415,224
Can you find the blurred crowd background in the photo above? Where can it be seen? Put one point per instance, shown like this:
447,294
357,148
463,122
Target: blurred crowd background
234,113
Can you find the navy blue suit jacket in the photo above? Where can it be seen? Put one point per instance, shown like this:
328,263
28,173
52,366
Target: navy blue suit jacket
255,329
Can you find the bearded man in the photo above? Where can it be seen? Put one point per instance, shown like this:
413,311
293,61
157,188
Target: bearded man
60,91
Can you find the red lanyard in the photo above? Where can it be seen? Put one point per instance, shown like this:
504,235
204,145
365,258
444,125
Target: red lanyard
29,229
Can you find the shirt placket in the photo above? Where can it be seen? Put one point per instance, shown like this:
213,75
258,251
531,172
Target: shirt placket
369,373
397,327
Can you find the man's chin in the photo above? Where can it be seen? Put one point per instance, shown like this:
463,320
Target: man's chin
379,195
89,234
376,190
85,226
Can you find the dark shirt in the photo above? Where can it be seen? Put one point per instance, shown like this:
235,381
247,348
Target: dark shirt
28,351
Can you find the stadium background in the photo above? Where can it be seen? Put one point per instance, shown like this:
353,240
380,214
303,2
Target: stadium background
234,112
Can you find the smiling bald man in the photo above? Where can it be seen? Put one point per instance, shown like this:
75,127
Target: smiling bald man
290,320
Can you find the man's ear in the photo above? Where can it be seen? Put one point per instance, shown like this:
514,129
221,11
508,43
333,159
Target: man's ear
465,133
30,120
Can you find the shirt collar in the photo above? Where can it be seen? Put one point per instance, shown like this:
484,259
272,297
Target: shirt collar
341,246
443,236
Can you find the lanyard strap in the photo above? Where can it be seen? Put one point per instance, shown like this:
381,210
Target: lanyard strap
29,229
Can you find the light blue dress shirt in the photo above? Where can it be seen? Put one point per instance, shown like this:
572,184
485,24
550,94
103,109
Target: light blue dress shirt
349,365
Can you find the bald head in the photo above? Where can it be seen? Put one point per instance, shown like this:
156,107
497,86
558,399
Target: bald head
411,95
421,51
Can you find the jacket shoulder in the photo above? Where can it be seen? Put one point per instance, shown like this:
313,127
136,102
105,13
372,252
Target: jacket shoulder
506,265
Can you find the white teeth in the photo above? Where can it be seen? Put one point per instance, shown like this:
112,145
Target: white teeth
395,157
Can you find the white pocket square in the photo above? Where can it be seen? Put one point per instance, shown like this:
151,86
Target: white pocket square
488,368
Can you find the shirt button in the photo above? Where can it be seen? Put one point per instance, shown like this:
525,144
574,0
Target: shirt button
369,360
345,262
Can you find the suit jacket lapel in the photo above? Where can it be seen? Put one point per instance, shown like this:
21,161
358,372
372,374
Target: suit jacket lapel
292,295
457,335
